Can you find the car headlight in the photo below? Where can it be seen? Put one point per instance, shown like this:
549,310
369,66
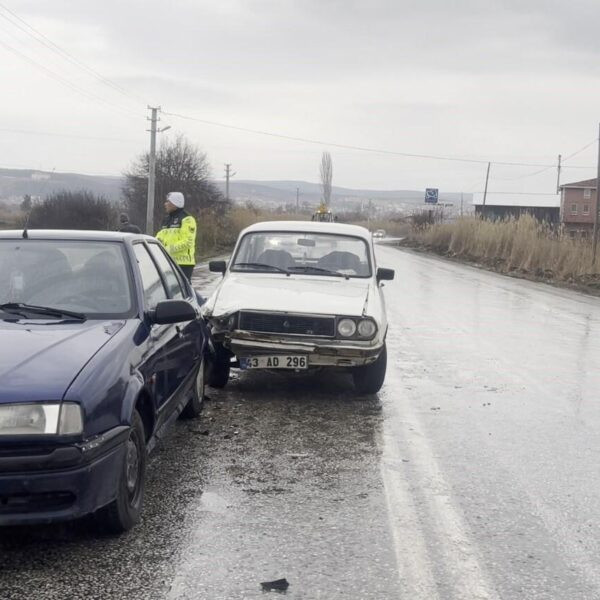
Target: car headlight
41,419
346,327
367,328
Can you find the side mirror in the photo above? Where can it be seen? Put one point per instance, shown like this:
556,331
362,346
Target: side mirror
173,311
385,274
217,266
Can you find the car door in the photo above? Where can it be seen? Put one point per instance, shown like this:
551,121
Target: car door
185,354
167,349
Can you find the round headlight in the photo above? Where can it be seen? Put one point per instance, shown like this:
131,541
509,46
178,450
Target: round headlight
367,328
346,327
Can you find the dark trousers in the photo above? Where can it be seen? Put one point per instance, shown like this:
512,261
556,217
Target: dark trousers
188,270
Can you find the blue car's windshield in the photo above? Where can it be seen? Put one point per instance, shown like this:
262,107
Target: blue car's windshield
79,276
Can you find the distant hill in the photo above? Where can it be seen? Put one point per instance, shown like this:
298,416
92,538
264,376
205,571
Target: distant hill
281,193
16,183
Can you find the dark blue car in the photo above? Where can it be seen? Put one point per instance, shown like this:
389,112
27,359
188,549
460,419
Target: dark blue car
101,349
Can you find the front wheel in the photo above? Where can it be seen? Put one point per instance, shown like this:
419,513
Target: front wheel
370,378
125,510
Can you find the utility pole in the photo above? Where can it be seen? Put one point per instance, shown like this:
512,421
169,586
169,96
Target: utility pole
558,174
152,171
597,205
152,168
228,176
297,199
487,177
461,204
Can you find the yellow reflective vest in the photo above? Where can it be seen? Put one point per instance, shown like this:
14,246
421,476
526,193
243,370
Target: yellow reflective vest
178,236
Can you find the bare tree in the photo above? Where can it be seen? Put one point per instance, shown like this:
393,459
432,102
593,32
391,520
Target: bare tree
326,176
180,167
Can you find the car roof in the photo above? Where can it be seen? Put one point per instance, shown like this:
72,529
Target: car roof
310,227
72,234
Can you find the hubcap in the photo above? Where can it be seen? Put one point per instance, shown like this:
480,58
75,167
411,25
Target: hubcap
133,465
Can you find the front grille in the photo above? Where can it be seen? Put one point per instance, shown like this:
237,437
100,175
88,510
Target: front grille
287,324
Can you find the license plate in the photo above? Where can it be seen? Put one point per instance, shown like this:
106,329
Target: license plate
279,361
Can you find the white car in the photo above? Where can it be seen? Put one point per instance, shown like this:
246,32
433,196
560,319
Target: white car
301,295
380,233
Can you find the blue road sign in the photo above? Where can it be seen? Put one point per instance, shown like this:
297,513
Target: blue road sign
431,196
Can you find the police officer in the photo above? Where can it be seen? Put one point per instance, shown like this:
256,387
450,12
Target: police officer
178,233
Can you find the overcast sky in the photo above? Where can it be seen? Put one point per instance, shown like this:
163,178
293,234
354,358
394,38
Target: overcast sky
515,81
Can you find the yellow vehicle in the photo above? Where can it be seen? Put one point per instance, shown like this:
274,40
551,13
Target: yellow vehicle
323,214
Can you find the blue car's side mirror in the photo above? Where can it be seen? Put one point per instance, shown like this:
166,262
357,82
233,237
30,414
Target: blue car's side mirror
172,311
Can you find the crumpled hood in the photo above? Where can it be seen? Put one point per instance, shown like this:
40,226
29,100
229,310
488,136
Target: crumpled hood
39,361
279,293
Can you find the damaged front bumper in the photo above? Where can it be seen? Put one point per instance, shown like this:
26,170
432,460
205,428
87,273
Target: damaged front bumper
320,352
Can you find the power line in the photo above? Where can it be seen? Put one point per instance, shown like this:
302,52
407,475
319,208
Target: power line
526,175
65,82
561,165
358,148
48,43
70,135
517,193
57,171
593,142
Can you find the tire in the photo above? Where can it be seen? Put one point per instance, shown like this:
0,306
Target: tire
125,510
370,378
219,372
196,403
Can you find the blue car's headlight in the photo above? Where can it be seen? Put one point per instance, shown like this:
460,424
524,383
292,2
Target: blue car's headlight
41,419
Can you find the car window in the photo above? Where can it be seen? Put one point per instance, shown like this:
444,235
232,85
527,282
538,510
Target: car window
172,280
91,277
154,290
300,252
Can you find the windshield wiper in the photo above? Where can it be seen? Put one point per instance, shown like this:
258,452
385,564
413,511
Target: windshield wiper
21,308
307,268
261,266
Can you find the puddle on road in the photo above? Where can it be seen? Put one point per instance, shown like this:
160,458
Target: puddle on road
212,502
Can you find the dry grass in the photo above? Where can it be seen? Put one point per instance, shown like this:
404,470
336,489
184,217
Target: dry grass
392,228
521,245
219,233
10,217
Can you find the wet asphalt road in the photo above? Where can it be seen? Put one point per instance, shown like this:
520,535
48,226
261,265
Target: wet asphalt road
473,474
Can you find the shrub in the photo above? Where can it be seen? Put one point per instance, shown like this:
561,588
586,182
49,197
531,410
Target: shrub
73,210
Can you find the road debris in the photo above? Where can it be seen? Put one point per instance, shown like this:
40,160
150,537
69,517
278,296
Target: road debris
278,584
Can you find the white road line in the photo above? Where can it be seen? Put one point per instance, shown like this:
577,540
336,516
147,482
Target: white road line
436,525
416,578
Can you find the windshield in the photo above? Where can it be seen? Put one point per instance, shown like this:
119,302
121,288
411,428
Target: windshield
307,253
77,276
